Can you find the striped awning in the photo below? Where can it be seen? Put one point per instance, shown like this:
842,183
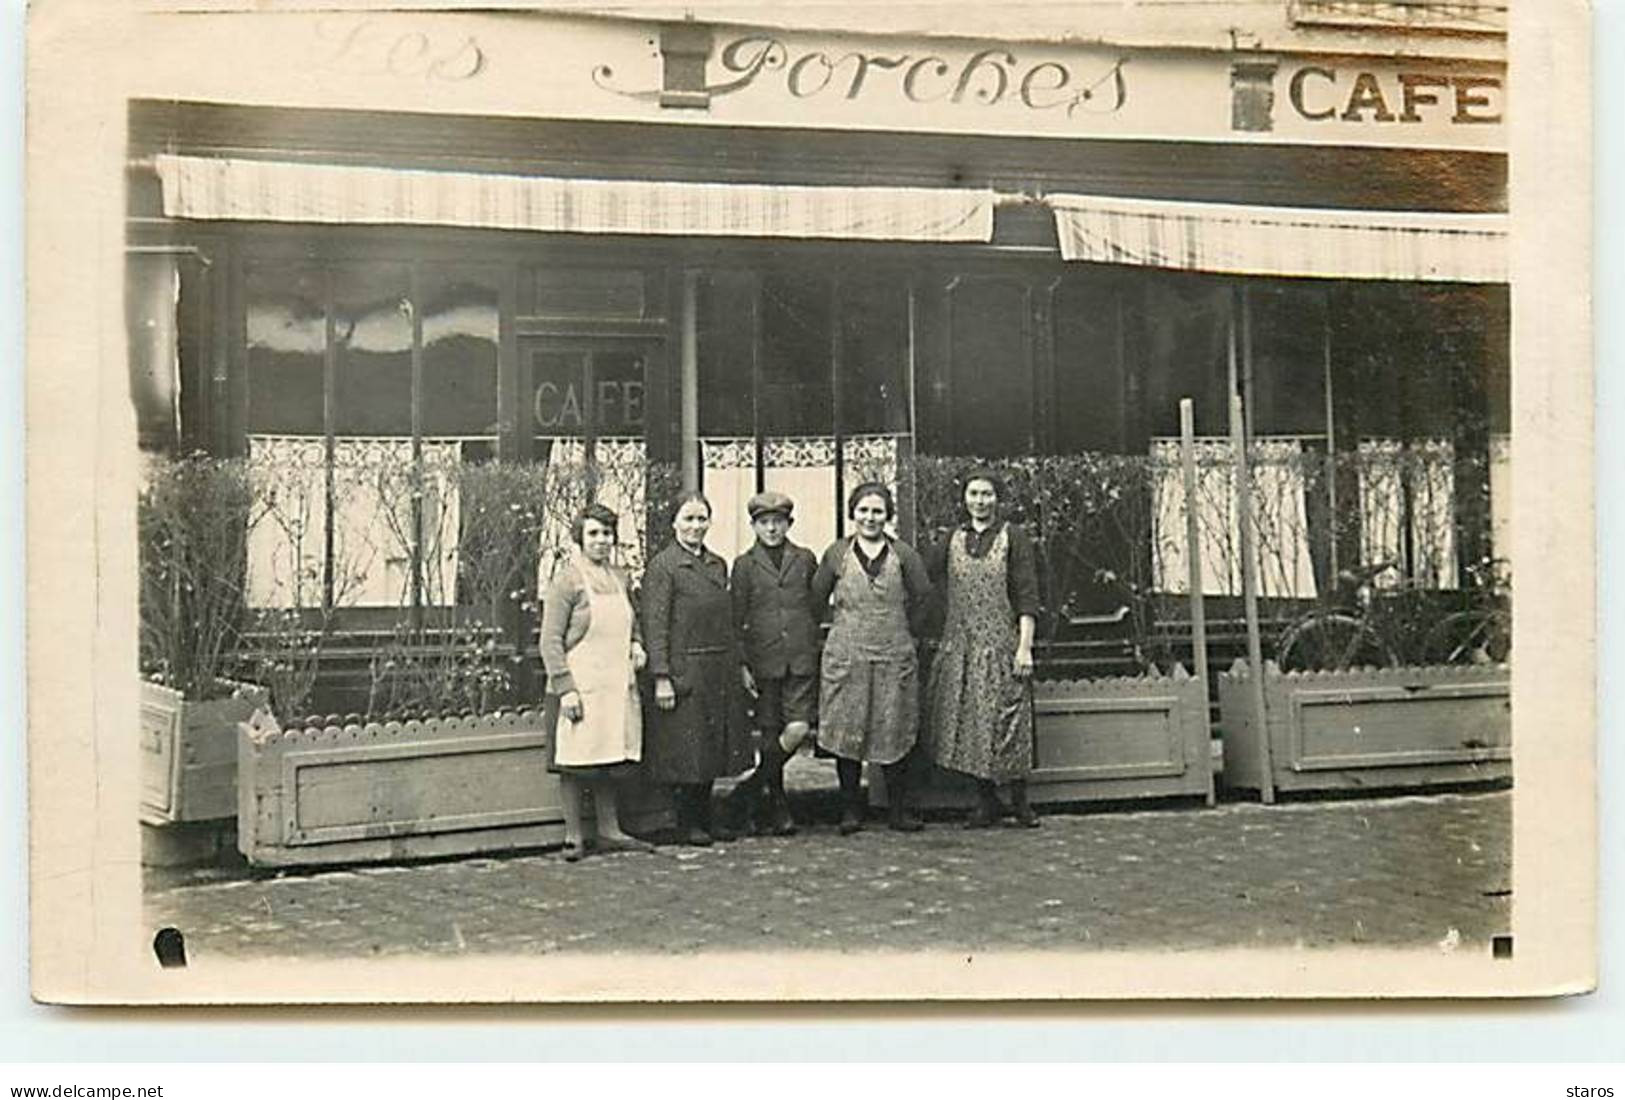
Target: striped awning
216,188
1279,240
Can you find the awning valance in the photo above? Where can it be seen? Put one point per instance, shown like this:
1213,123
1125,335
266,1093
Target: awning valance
1287,241
278,191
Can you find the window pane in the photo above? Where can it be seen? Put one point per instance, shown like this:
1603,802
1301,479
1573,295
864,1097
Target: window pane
372,334
595,293
1186,353
795,371
991,380
286,334
1089,391
874,353
1289,390
726,307
461,338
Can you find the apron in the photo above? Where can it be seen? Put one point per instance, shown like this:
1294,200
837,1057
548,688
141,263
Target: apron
981,714
611,726
868,708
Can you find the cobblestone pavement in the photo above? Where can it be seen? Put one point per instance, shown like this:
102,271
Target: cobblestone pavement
1396,871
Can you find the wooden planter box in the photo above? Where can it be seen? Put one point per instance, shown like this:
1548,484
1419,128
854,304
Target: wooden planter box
1369,728
1118,737
189,752
405,790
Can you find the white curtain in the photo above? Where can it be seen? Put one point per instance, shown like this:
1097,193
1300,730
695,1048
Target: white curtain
287,543
728,472
372,521
1388,469
1501,497
1280,519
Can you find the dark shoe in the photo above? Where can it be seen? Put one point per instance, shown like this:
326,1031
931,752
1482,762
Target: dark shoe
781,823
714,829
988,810
696,837
851,820
739,806
574,851
853,807
1025,816
900,817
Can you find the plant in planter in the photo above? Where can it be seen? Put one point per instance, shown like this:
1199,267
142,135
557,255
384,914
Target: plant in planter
1116,716
450,754
194,517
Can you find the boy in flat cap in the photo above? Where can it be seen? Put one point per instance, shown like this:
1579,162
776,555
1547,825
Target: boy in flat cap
778,631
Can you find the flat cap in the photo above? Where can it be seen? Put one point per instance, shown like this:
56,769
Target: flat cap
763,503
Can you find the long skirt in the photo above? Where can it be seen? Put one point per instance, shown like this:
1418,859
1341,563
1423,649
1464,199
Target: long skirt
706,736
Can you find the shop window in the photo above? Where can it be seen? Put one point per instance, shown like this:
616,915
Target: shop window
1090,396
803,389
1184,352
357,510
990,374
286,341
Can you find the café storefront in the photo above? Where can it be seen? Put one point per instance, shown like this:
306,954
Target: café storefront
787,258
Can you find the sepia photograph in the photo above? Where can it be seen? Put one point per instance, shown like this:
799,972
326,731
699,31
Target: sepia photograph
740,495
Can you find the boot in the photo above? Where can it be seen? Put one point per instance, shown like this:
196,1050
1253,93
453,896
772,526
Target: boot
775,807
1024,813
739,806
987,810
850,773
900,817
718,829
690,827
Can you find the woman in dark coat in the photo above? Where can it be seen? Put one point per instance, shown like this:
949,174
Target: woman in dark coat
980,714
699,733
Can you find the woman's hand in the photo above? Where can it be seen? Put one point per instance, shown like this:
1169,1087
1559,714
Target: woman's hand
1023,663
747,681
665,693
570,706
639,657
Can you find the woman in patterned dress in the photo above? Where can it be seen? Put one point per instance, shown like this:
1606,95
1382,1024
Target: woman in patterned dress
869,693
699,733
978,699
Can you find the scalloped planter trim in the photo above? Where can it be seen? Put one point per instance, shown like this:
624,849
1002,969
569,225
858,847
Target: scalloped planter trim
189,752
1115,737
1370,727
381,791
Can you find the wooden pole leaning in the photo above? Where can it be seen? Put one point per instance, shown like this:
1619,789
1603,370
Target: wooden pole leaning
1193,560
1249,596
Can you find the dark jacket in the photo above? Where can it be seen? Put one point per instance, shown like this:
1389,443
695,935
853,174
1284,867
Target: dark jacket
686,610
773,612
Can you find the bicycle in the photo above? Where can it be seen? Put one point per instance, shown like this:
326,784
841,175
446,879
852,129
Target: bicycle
1482,633
1341,634
1372,626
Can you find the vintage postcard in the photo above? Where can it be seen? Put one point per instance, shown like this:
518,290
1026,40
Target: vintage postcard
757,502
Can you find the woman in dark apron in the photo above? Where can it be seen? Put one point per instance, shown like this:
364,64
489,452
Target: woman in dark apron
699,733
869,699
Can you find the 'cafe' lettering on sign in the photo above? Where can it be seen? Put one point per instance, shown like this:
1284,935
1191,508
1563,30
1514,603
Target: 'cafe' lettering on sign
1320,93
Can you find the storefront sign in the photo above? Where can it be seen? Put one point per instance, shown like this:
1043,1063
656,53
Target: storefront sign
561,66
1325,94
987,76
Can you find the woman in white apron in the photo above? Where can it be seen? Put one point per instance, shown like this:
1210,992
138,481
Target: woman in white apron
592,651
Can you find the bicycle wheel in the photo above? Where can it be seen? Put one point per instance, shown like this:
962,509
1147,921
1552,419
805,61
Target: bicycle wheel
1330,642
1473,637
